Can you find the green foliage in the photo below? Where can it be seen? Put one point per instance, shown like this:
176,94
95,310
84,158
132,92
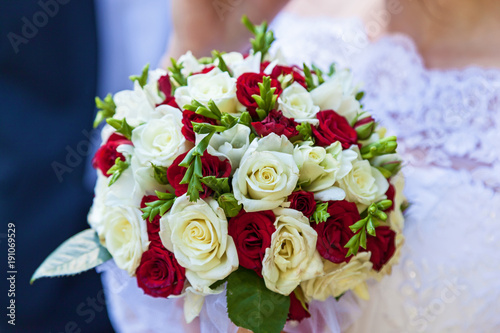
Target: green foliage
209,111
160,174
374,216
143,78
320,213
106,109
229,204
80,253
219,185
360,95
266,101
160,206
263,37
305,131
121,126
319,74
176,73
222,64
384,146
116,170
309,78
252,306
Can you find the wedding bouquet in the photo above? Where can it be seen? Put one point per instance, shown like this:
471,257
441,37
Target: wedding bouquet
245,174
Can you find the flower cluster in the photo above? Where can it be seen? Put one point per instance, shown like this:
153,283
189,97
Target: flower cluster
244,163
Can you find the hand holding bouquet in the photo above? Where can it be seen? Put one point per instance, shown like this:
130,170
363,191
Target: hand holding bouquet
245,174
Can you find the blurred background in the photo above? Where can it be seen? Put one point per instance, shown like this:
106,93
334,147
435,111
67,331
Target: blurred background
55,57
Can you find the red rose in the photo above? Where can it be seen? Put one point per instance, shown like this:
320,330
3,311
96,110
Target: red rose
303,201
390,193
334,234
159,274
187,118
296,310
204,70
251,233
333,127
165,87
211,166
106,155
293,70
276,122
248,85
152,225
382,246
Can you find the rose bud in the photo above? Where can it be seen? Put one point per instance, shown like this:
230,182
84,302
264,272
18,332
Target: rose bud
364,127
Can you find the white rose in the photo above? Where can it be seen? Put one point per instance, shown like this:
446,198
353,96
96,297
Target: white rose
126,236
337,93
196,232
296,102
320,168
292,256
160,141
95,216
364,184
239,64
267,174
231,144
338,278
214,85
138,105
189,64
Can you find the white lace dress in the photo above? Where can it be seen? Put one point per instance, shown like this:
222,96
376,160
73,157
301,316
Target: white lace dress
448,125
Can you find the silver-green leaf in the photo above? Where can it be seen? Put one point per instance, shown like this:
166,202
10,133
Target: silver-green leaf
80,253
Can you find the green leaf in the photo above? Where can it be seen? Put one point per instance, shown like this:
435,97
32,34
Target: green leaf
121,126
266,101
319,74
228,121
360,95
209,111
106,109
252,306
229,204
222,64
384,146
116,170
320,213
219,185
306,131
204,128
263,38
160,174
160,206
217,284
143,78
80,253
332,69
176,73
309,78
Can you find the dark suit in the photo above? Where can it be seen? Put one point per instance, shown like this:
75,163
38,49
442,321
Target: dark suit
47,86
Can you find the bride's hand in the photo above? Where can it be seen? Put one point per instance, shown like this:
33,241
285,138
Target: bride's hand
203,25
